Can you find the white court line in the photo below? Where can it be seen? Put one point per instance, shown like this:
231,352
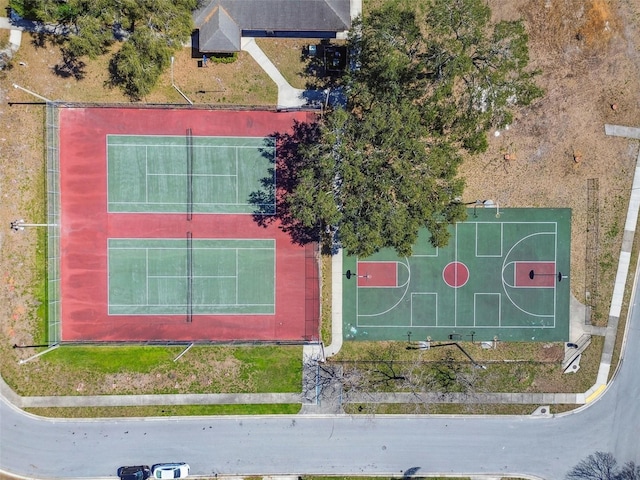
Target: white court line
146,175
436,309
176,305
555,290
236,254
502,274
475,309
146,253
237,250
192,276
501,240
229,175
182,249
237,186
179,204
425,255
455,290
407,283
199,137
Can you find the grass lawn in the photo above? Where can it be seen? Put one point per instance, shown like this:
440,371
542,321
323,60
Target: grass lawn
75,370
511,367
167,411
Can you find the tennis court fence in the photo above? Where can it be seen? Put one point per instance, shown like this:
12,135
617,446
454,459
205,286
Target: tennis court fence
53,222
312,292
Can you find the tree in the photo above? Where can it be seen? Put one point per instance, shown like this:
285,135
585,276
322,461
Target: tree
92,40
139,63
372,176
152,29
476,72
602,466
382,369
630,471
423,93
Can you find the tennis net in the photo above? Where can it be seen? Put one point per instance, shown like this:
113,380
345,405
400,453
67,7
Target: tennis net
189,277
189,174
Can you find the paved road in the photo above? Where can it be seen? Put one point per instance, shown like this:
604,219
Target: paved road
537,446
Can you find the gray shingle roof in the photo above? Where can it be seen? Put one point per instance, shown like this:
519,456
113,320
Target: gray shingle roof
219,33
222,21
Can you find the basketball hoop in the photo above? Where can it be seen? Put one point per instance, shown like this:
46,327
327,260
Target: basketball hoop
350,274
559,275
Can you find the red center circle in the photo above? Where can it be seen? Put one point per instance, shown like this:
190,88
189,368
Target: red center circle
455,274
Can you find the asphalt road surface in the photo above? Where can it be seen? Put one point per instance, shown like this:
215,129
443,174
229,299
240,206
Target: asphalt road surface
545,447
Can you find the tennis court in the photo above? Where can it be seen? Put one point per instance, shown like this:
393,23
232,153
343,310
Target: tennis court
180,174
505,277
194,277
160,232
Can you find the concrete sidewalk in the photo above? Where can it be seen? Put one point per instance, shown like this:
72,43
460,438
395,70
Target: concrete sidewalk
323,405
288,97
15,36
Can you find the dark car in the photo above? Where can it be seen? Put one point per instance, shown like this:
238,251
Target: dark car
136,472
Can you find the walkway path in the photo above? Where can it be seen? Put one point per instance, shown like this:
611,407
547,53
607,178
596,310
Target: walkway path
623,268
288,97
15,36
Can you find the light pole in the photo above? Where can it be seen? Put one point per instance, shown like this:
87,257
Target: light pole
18,225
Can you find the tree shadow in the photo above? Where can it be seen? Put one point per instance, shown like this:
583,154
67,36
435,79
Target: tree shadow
40,38
70,66
319,76
271,200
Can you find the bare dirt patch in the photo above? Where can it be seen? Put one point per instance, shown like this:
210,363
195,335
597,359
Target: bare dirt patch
587,55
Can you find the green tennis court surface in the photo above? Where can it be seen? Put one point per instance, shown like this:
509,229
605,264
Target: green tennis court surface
184,276
172,174
505,277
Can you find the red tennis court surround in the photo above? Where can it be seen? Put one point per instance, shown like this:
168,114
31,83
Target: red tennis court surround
86,226
535,274
455,274
377,274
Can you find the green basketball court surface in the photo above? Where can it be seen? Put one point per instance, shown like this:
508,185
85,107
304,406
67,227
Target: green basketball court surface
500,277
169,174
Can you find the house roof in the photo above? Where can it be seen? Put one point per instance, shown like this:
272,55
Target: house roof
221,22
219,33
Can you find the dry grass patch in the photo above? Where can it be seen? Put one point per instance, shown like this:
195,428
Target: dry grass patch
167,411
452,409
242,82
581,83
287,54
326,317
511,367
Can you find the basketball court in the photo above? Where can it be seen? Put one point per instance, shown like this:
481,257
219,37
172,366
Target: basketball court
158,232
504,277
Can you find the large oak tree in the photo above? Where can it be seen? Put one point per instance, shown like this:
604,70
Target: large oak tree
424,89
150,29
